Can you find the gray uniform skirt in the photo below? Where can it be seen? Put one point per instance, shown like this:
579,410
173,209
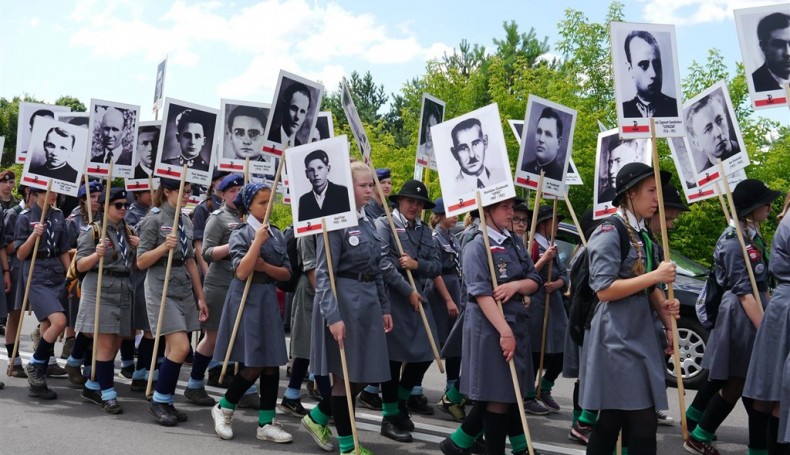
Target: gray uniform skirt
438,306
408,342
115,311
180,314
557,322
771,347
301,318
139,311
365,343
215,288
571,356
260,341
483,363
46,287
453,346
730,343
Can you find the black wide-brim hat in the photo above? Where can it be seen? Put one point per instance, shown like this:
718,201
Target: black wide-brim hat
751,194
672,197
631,175
414,189
588,223
116,193
545,213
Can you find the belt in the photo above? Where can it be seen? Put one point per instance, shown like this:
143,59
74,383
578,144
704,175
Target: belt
176,262
44,256
117,274
450,271
364,277
260,279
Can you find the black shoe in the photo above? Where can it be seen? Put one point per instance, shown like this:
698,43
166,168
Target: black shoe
448,447
111,406
419,405
179,415
479,447
389,429
293,407
127,372
36,375
198,396
94,396
43,392
403,420
162,414
369,400
139,385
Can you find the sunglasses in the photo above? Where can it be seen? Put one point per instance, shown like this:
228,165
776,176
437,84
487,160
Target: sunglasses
121,205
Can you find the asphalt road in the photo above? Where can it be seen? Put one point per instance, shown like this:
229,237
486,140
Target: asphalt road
70,425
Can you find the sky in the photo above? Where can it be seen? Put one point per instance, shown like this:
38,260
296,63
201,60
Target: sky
234,49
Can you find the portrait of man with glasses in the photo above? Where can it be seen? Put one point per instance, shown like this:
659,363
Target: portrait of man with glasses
244,132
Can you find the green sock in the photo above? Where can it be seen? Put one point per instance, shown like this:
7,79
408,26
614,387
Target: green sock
266,416
624,450
757,451
588,418
462,439
319,417
546,385
531,395
455,396
694,414
389,409
403,393
518,443
225,404
701,435
576,414
346,443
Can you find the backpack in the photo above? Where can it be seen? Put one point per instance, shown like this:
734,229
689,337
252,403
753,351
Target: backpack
73,276
708,301
293,258
583,299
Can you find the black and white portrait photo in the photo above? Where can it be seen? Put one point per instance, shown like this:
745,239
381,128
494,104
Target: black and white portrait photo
646,79
57,152
147,142
74,118
432,113
243,125
324,127
764,36
113,129
545,145
28,113
188,140
357,130
471,155
713,134
319,177
159,86
294,112
572,176
611,155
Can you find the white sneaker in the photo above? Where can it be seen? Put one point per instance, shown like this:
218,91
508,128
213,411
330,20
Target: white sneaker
274,432
223,419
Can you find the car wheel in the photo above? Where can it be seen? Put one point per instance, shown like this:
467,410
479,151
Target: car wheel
692,340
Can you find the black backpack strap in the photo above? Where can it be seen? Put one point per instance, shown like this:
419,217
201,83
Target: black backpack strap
622,233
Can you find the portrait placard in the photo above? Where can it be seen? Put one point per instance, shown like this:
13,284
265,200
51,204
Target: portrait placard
294,113
713,133
189,133
75,118
646,79
324,127
159,86
357,130
113,128
764,36
319,177
57,152
678,147
28,113
243,124
572,176
2,144
471,155
611,155
545,145
147,142
431,114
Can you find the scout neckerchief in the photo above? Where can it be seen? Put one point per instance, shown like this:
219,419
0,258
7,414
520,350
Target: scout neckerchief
541,240
405,223
499,240
182,237
50,237
639,226
121,244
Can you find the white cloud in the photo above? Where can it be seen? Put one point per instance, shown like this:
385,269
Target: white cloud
34,22
689,12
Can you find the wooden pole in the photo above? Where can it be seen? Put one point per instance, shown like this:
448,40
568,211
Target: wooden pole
511,363
101,272
670,287
247,285
247,173
575,220
535,207
724,209
343,362
26,296
169,267
546,303
409,275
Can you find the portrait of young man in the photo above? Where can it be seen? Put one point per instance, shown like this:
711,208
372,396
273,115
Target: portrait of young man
710,131
773,35
191,137
645,68
290,114
58,146
326,197
147,140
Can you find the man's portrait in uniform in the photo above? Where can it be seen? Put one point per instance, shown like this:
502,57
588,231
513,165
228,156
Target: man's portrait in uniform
294,112
711,130
326,197
113,131
189,136
244,128
645,68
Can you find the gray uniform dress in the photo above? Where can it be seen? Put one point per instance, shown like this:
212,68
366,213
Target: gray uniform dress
772,343
374,210
730,342
621,365
260,341
14,295
301,320
48,283
449,252
180,314
485,373
134,216
76,224
361,303
558,318
571,351
220,272
408,342
115,312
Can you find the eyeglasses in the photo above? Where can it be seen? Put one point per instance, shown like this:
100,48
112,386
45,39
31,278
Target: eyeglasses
121,205
517,220
251,133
